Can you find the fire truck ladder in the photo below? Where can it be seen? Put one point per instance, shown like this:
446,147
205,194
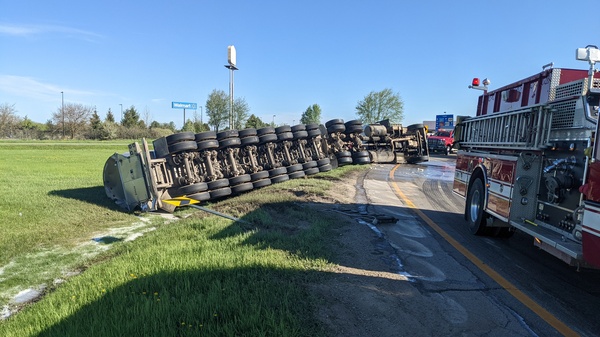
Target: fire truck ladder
525,129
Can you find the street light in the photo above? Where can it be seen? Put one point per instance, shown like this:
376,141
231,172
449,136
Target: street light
273,120
62,110
121,112
231,59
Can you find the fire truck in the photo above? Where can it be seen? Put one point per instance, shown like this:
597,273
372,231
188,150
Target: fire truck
530,161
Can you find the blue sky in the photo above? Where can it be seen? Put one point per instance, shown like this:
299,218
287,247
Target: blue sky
290,54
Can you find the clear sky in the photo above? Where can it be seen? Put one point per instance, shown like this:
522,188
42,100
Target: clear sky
290,54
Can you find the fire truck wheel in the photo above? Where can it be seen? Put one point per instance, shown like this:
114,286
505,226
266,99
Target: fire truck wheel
475,213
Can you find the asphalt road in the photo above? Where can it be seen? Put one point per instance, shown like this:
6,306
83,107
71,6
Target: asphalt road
532,294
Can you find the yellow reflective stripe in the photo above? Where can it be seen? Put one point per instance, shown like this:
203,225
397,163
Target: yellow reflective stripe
181,201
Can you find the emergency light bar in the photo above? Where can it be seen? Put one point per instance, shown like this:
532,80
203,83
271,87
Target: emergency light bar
475,84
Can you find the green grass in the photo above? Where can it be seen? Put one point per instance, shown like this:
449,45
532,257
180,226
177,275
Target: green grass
53,204
202,275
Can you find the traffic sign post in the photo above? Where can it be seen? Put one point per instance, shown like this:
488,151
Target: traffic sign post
184,105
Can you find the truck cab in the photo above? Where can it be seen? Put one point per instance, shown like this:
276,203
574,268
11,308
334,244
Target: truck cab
441,141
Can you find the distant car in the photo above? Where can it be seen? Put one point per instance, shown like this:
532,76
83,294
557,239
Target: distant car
441,141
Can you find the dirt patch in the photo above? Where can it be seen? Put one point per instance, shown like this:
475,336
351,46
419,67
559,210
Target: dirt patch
361,296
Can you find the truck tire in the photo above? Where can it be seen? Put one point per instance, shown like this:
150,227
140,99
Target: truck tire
262,183
297,174
229,142
336,128
247,132
475,213
270,137
217,184
414,127
309,165
333,122
259,175
186,145
249,140
280,178
283,129
285,136
314,133
237,189
265,131
193,188
244,178
277,171
179,137
448,150
294,168
200,136
219,193
210,144
202,196
299,127
300,134
325,168
312,126
311,171
227,134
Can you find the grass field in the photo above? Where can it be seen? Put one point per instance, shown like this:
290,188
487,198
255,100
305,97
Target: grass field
201,275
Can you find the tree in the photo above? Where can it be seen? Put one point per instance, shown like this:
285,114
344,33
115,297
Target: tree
131,118
311,115
380,105
255,122
217,108
109,116
75,117
8,120
240,112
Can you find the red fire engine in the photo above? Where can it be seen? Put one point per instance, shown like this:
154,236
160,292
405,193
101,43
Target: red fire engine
530,161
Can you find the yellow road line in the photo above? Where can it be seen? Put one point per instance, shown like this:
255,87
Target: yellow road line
504,283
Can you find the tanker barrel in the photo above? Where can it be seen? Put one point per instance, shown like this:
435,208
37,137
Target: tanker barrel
375,130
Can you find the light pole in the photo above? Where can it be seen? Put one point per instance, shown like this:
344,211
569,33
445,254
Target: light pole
62,110
231,59
121,113
273,120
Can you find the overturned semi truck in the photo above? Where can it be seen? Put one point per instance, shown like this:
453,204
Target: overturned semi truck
186,168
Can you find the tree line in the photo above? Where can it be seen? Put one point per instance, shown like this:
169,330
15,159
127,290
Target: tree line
78,121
